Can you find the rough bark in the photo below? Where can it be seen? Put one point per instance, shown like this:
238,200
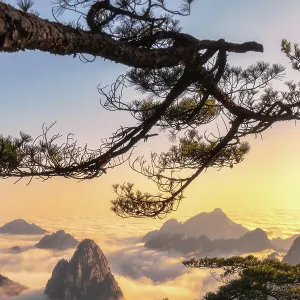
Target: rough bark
24,31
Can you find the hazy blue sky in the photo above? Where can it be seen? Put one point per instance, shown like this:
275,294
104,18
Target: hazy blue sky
38,87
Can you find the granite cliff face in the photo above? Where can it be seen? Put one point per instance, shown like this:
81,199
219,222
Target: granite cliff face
10,288
58,240
20,226
293,255
86,276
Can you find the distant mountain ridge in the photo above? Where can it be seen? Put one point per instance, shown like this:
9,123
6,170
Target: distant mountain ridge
20,226
86,276
253,241
214,225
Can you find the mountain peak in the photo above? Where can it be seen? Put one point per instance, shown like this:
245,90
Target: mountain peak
215,225
86,276
57,240
86,244
171,226
259,230
18,221
61,231
20,226
218,211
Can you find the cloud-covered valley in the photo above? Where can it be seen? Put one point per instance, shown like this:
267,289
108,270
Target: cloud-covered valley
141,273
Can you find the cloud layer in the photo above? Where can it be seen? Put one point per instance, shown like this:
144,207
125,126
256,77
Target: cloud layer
141,273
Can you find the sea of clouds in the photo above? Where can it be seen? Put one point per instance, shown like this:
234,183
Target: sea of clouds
140,272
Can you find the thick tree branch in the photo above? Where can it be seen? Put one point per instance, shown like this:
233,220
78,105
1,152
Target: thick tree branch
24,31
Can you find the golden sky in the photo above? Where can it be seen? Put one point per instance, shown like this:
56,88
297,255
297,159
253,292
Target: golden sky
269,178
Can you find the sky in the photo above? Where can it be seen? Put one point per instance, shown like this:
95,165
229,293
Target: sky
39,88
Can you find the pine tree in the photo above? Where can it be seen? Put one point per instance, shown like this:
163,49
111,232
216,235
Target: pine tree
185,83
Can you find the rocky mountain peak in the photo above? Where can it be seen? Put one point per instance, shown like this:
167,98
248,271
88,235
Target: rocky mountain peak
86,276
89,256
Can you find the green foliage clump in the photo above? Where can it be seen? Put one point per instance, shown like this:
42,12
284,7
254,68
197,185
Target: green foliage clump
186,112
12,151
193,149
249,278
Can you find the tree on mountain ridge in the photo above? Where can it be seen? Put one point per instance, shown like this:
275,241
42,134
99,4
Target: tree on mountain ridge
186,83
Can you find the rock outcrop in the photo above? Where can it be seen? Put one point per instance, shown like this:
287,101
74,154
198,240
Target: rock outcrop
20,226
214,225
10,288
293,255
58,240
86,276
